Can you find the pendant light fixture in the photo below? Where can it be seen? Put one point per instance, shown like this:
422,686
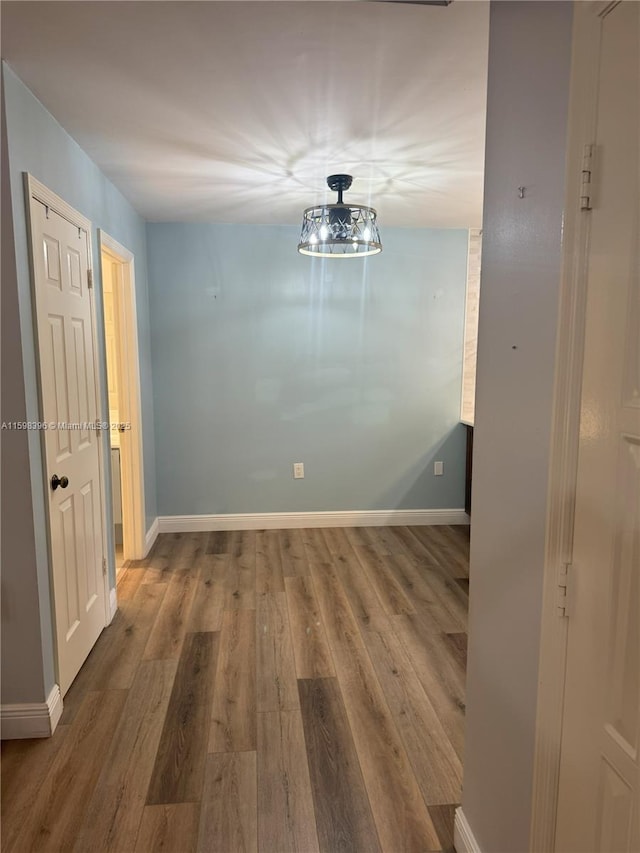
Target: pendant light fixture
339,230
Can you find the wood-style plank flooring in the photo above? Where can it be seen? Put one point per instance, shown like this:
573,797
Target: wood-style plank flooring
272,691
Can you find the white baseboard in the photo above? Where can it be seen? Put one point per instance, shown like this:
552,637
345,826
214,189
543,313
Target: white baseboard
289,520
32,719
463,838
152,535
113,603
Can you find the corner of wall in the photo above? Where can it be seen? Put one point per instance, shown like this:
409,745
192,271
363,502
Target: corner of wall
527,114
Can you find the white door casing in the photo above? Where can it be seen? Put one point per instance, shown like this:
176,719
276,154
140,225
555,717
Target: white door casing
122,277
65,324
599,789
110,312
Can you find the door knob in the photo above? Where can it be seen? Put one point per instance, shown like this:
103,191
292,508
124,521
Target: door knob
56,481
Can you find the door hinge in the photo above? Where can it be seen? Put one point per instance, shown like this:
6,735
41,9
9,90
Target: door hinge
586,177
104,566
89,278
563,600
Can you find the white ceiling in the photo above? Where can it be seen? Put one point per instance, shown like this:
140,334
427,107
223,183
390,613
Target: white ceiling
237,111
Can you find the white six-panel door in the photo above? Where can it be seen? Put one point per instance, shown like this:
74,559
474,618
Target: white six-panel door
599,795
65,333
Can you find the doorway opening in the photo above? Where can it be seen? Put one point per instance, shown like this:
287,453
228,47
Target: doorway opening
123,387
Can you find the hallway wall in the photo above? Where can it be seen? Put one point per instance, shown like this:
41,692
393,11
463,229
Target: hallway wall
529,71
36,143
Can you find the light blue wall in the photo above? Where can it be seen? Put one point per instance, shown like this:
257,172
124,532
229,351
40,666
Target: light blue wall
38,145
262,357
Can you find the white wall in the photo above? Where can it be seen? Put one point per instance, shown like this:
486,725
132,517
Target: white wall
529,66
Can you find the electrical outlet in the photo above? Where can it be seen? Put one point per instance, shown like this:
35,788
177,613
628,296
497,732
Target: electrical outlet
298,470
438,469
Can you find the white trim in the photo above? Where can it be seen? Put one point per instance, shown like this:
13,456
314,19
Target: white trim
152,535
289,520
463,838
38,191
113,602
32,719
565,431
107,242
54,704
131,442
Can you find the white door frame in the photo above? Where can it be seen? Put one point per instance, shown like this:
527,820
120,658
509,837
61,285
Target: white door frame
565,427
131,449
37,193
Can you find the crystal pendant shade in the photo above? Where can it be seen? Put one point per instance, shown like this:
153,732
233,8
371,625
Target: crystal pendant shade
339,230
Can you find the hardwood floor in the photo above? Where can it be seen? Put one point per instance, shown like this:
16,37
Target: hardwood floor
267,691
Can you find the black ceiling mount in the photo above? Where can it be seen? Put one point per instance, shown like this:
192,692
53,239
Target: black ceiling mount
339,183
